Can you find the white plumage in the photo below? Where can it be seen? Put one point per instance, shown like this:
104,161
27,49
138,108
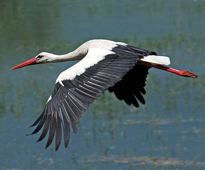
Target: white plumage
93,56
156,59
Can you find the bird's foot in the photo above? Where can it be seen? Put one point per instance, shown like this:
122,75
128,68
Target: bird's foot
188,74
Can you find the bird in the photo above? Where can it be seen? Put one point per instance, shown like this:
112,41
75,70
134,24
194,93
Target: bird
103,65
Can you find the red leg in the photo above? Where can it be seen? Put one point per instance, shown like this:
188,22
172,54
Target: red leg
178,72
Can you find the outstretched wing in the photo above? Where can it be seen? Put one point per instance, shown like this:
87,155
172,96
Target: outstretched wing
77,87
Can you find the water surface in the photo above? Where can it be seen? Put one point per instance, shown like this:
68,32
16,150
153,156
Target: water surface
167,133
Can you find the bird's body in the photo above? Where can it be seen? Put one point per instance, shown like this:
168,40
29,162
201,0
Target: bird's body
104,65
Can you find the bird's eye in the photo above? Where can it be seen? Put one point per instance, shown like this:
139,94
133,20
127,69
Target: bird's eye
39,57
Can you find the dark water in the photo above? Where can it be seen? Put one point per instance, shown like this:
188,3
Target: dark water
167,133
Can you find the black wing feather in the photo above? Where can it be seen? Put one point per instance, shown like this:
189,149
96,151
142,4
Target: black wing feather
52,130
66,128
45,129
58,131
132,86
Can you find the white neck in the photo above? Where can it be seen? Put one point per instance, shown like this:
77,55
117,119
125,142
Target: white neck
68,57
74,55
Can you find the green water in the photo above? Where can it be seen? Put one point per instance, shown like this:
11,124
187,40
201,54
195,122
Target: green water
167,133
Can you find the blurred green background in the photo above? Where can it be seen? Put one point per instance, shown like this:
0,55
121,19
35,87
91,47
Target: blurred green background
167,133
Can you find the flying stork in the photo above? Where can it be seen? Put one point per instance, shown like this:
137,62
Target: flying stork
104,65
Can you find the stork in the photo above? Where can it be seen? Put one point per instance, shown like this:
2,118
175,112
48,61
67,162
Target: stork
104,65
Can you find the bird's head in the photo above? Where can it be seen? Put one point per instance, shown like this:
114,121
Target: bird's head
41,58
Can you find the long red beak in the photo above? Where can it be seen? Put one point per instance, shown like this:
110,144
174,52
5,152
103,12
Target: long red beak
26,63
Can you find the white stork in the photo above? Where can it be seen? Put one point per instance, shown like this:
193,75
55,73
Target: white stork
104,65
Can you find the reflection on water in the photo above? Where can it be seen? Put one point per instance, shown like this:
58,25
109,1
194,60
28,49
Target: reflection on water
149,161
168,132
